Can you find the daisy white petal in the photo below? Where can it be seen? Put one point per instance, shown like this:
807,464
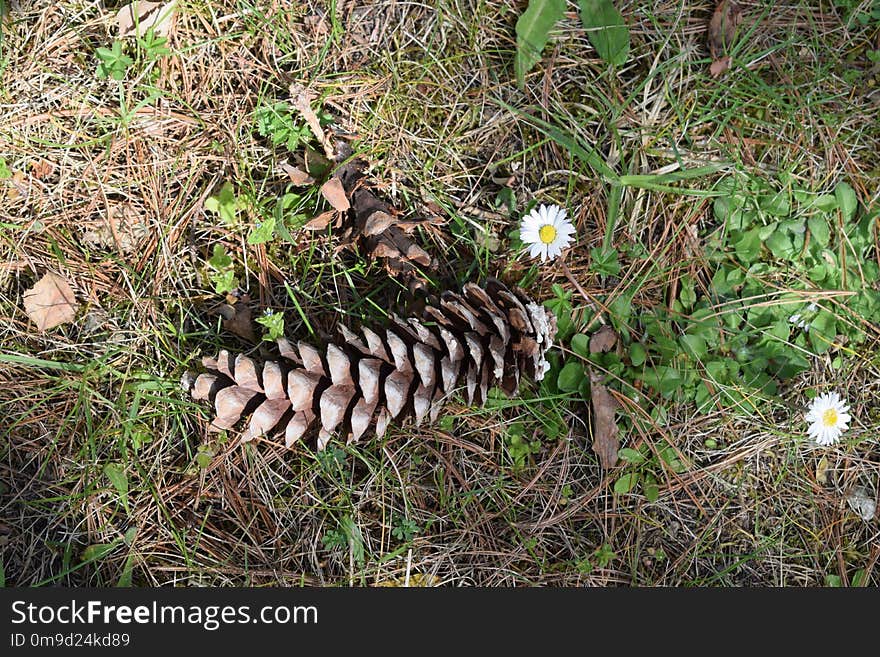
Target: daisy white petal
546,231
828,418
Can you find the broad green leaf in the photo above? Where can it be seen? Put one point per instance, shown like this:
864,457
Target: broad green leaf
219,260
833,581
626,483
604,261
716,370
532,31
736,277
859,578
98,551
776,204
664,379
670,382
204,456
748,246
819,229
719,282
825,203
687,295
355,539
766,231
224,281
722,207
631,455
224,203
564,323
822,331
846,200
694,346
116,474
621,310
637,354
580,344
780,330
570,377
606,30
652,491
817,273
780,245
263,232
127,569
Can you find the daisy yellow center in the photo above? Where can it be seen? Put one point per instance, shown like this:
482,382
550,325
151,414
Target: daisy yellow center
547,234
829,418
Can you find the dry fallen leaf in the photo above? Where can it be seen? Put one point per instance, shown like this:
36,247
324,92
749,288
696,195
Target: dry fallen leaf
317,25
333,191
862,503
19,186
718,66
50,302
297,176
302,104
605,439
822,470
321,221
723,26
136,18
42,169
123,229
237,318
722,32
603,340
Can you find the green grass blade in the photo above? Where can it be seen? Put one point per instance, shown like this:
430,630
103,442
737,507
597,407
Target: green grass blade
587,155
30,361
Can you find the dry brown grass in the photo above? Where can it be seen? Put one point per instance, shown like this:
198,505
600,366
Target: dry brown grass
421,88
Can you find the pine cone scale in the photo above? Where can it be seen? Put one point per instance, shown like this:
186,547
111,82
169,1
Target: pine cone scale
476,339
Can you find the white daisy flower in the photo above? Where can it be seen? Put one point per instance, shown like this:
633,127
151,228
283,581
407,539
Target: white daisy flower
802,322
828,418
547,231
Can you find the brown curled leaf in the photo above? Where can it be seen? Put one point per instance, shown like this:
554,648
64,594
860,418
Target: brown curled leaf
50,302
297,176
237,319
603,340
722,28
722,33
333,191
605,431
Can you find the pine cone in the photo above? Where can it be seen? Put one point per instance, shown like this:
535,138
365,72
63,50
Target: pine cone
377,229
480,338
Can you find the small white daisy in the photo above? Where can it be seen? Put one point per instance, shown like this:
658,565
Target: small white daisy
546,230
828,418
800,321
